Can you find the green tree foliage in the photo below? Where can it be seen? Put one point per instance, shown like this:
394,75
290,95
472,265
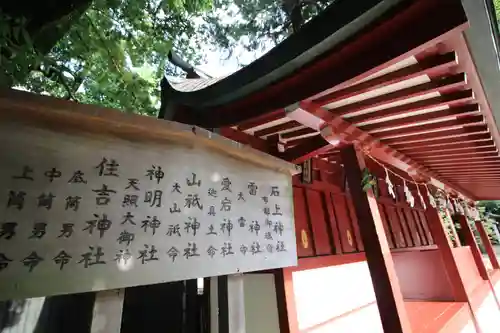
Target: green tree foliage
257,25
490,214
116,53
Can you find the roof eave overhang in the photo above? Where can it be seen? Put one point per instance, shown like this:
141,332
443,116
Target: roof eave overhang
482,39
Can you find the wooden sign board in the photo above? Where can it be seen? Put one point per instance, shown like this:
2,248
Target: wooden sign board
85,209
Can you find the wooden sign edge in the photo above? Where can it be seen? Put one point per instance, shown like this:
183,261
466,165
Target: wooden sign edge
75,118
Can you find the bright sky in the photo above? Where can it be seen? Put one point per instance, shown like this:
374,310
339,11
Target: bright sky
214,64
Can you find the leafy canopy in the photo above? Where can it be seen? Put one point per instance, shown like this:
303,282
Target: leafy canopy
114,53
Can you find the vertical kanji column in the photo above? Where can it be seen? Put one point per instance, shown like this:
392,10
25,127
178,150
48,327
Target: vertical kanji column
385,281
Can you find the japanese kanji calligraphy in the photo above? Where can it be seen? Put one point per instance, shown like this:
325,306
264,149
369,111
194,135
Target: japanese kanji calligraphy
91,216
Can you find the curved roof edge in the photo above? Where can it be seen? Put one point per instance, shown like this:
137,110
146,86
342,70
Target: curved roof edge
483,39
339,22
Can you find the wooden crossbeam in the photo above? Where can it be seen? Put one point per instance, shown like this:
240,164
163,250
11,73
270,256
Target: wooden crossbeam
442,86
451,99
446,141
430,66
469,109
458,147
308,148
463,155
456,133
277,128
461,152
469,171
266,118
464,161
439,126
297,133
487,165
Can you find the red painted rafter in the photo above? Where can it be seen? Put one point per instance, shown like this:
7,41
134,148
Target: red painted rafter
439,126
342,130
441,86
466,64
458,146
444,154
463,161
448,157
308,148
469,109
466,173
456,133
294,142
431,66
491,165
263,119
297,133
451,99
478,178
277,128
470,170
463,139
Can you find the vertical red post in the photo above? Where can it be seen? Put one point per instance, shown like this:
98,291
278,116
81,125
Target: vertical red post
385,281
470,240
445,247
487,244
287,310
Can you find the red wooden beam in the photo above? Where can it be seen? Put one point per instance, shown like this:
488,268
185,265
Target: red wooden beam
471,171
247,139
464,161
439,126
464,177
431,66
294,142
318,164
277,128
462,146
378,255
460,156
442,85
460,152
470,240
262,119
445,247
467,64
299,132
464,139
487,244
469,109
485,165
458,132
451,99
307,149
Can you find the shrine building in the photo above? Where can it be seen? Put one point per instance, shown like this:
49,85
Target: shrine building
389,107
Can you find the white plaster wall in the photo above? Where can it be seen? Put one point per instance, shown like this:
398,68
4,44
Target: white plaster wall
261,307
336,299
488,315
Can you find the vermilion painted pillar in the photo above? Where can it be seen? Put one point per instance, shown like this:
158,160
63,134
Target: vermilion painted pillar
385,281
445,247
470,240
487,244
